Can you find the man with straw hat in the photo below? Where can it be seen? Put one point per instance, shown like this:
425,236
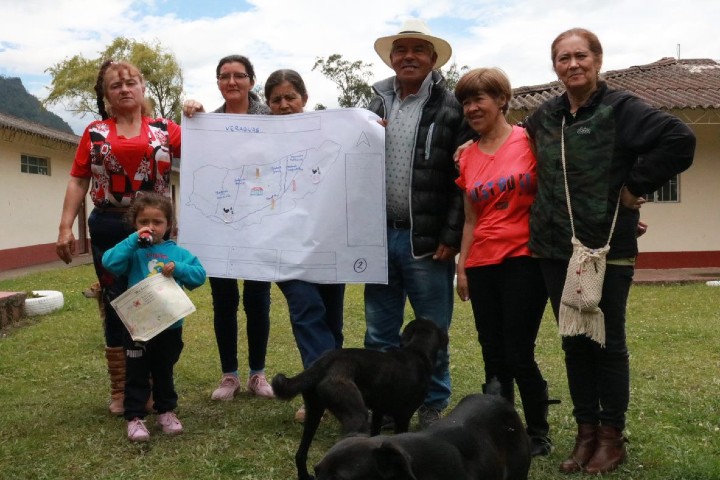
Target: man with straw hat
424,207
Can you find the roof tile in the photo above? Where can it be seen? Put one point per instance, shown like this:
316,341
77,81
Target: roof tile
667,84
33,128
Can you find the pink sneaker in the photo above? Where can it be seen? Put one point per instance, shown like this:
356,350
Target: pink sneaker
229,386
137,431
169,423
258,385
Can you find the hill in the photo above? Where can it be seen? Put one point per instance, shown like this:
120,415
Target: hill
16,101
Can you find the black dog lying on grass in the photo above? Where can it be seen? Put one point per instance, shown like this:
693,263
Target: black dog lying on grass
351,381
482,438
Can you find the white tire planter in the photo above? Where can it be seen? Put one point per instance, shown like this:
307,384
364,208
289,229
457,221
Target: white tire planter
48,301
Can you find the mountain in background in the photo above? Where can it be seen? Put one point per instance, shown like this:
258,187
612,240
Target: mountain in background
16,101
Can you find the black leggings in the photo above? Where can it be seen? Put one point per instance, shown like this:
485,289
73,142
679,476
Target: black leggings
508,302
256,303
154,359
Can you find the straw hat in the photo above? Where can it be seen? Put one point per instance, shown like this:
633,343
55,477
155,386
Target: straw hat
414,28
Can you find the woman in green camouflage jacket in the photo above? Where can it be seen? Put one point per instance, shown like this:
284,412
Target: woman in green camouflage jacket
615,145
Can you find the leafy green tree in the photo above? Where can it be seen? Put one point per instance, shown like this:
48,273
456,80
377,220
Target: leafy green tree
352,78
73,79
259,90
452,75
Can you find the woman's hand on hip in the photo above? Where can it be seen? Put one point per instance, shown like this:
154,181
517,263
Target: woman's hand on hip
629,200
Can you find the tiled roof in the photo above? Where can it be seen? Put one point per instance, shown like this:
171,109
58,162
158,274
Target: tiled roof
33,128
666,84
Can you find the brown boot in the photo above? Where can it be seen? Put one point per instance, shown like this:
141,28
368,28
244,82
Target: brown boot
116,368
610,451
585,444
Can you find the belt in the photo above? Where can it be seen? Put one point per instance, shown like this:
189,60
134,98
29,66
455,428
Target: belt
399,224
112,209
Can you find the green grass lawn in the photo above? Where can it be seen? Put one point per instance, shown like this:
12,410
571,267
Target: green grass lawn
54,389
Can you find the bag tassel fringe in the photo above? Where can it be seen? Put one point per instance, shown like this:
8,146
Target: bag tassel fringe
591,323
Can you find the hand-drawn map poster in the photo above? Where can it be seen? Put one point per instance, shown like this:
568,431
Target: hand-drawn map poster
279,197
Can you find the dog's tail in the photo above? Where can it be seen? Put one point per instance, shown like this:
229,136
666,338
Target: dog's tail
286,388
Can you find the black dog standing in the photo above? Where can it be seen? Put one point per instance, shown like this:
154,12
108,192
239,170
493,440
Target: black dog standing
350,381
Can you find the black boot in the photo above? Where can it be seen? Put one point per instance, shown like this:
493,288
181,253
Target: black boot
535,406
506,390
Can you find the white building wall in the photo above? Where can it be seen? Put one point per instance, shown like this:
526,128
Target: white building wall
30,204
693,224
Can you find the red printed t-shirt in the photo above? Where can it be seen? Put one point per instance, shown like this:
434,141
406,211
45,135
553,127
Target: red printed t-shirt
501,187
120,167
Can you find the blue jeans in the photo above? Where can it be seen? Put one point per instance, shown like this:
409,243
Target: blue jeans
107,229
428,284
256,303
598,378
316,315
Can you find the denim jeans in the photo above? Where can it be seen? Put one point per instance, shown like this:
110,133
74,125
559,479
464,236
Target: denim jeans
428,284
256,303
599,378
107,229
316,316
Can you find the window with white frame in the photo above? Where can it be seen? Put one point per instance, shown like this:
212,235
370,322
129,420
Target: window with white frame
668,193
34,165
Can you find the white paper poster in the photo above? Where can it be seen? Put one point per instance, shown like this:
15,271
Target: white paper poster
152,305
279,197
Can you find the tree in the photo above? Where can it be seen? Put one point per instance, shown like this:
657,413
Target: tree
351,78
259,90
452,75
73,79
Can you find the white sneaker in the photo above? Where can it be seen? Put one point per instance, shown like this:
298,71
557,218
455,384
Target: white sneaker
229,386
258,385
137,431
170,423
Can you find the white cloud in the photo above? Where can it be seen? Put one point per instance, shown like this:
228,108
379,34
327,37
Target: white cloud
514,35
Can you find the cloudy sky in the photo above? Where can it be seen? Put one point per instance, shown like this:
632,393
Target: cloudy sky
514,35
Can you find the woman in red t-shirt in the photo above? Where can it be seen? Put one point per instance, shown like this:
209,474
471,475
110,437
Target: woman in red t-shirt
118,157
496,271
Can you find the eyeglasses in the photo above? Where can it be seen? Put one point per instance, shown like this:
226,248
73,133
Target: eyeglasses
225,77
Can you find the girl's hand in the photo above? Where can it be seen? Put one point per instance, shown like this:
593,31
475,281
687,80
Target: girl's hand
169,269
145,237
142,230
